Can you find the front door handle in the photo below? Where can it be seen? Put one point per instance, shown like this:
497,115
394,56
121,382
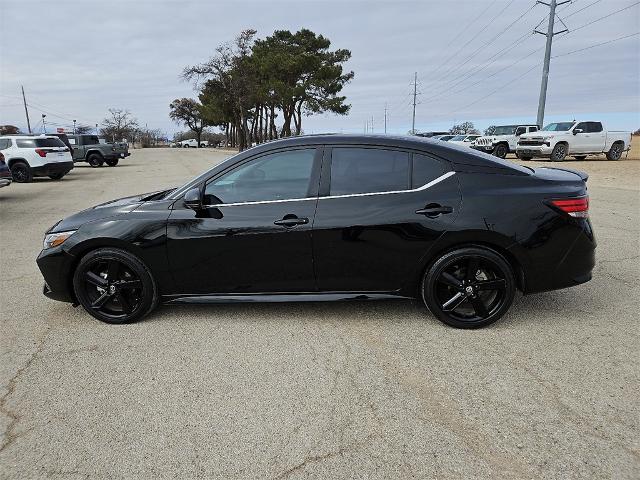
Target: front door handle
291,221
434,210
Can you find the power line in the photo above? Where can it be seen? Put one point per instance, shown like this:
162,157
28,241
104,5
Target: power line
602,18
596,45
580,10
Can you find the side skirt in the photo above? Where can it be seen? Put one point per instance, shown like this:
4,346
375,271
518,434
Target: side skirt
280,297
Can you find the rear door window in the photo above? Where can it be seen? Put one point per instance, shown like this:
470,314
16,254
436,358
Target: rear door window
594,127
357,170
426,169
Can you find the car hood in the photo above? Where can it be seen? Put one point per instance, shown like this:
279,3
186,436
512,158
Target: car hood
121,206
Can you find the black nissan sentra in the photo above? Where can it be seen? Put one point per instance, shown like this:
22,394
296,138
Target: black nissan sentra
332,217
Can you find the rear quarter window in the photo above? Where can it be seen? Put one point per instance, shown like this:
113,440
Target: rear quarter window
425,170
39,143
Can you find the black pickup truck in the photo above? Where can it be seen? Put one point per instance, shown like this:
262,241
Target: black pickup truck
87,148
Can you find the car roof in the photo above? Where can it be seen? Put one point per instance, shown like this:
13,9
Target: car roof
28,135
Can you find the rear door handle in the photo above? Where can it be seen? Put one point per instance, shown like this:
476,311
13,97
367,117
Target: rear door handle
434,210
291,221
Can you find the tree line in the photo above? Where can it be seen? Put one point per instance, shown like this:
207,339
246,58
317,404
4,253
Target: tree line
261,89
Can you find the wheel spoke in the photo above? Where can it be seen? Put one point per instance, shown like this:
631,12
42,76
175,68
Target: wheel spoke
113,270
454,302
101,300
450,280
124,302
494,284
479,307
472,268
94,279
130,284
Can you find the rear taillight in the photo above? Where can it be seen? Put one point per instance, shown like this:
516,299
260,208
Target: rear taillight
41,152
575,207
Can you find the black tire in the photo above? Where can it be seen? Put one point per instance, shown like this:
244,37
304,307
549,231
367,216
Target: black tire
185,146
580,157
95,160
112,162
615,152
57,176
21,172
128,296
559,152
470,287
501,150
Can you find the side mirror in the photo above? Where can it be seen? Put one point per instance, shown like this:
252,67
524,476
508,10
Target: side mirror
193,199
577,131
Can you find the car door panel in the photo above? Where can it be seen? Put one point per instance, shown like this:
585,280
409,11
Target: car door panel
373,242
257,246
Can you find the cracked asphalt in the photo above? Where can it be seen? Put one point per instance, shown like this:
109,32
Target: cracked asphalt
344,390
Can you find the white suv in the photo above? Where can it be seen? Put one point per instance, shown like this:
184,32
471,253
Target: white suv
31,156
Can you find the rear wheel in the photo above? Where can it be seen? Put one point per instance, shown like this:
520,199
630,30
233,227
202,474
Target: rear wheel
57,176
559,152
501,150
95,160
616,151
114,286
469,288
21,172
112,162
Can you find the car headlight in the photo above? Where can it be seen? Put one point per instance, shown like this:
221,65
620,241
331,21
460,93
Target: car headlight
546,139
54,239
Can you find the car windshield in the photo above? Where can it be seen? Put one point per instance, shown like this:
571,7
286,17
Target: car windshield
559,127
505,130
458,138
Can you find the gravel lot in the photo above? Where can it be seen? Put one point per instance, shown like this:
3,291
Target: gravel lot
358,390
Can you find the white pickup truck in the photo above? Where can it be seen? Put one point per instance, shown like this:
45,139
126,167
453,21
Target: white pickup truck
503,140
193,143
577,139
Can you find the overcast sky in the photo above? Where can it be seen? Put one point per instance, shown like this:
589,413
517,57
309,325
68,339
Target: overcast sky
77,58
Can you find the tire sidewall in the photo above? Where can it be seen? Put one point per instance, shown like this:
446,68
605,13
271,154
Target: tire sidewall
150,294
433,271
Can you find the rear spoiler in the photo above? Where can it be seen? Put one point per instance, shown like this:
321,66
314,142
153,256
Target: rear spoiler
583,175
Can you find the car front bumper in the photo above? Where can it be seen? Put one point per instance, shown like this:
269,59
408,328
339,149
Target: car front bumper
483,148
534,150
52,169
56,266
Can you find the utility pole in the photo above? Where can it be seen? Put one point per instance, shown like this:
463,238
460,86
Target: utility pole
415,93
385,118
547,56
26,112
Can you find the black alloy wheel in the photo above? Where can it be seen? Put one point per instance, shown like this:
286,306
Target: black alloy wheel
95,160
615,152
469,288
21,172
559,152
501,150
114,286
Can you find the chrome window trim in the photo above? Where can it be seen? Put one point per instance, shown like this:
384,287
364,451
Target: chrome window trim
327,197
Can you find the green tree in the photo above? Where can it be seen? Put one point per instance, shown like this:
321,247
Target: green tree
188,112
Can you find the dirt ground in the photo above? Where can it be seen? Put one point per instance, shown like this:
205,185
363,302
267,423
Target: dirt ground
342,390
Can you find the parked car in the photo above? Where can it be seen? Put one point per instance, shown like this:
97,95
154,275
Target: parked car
193,143
63,137
5,173
578,139
332,217
503,140
87,148
464,140
29,156
445,138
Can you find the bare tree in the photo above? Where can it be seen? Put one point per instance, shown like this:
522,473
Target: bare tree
464,128
121,124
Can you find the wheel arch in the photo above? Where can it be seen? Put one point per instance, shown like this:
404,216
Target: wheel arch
13,160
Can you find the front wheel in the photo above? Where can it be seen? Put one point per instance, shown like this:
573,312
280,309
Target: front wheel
501,150
95,160
112,162
559,152
615,152
114,286
469,288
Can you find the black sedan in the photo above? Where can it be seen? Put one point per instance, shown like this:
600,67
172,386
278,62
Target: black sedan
332,217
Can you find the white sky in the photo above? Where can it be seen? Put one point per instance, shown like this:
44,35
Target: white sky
76,58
